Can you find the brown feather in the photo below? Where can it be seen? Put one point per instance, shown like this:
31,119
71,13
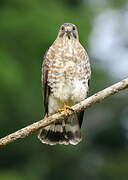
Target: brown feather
46,88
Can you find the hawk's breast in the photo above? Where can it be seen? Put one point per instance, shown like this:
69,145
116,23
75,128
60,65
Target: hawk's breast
67,77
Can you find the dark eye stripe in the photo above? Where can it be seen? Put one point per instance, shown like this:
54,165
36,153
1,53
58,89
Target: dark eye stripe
74,35
62,34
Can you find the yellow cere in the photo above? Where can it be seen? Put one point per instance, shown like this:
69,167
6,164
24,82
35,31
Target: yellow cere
69,28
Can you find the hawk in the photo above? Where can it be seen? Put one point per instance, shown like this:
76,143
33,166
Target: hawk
65,78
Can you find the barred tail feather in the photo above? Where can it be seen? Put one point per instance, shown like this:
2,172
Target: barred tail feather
65,132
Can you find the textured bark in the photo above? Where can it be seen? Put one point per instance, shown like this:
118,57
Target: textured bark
98,97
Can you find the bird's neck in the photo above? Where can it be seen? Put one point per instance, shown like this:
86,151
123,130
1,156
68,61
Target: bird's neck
65,41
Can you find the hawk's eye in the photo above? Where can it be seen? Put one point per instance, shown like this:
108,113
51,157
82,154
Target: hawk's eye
62,28
74,28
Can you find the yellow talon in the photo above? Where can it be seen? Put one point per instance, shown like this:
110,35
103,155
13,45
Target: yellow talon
65,108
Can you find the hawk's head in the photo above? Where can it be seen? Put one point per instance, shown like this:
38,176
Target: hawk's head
68,30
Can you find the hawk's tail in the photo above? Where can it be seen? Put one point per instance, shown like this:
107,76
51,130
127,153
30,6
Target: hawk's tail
65,132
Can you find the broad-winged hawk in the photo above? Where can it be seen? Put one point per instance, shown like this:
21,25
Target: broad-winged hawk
65,78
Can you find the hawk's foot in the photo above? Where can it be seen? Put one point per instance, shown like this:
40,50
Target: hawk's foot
65,108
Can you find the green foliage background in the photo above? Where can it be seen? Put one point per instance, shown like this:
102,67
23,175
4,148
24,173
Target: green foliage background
27,29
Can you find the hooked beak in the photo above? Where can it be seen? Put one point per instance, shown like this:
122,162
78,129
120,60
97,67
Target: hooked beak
68,29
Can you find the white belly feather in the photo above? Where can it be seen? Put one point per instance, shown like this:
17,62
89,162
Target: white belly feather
70,89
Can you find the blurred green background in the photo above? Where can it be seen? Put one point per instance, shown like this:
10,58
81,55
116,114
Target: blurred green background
27,29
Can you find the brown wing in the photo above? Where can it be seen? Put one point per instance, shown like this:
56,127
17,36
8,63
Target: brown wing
80,116
88,72
44,79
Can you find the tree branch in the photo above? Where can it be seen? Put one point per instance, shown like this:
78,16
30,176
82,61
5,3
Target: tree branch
98,97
